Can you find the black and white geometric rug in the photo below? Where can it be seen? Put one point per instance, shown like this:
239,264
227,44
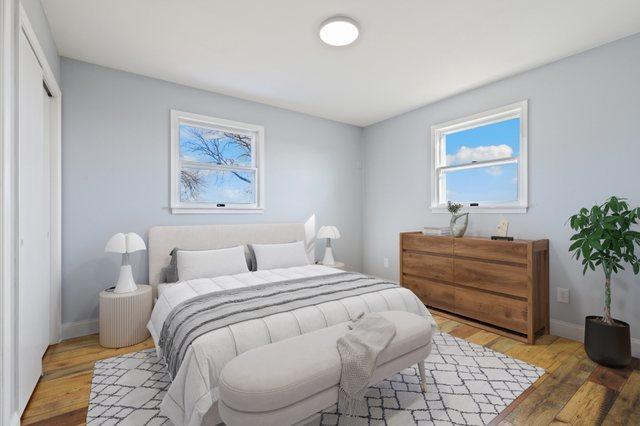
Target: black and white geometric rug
468,384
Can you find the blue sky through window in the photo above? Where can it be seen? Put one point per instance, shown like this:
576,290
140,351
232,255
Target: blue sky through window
491,183
489,142
214,146
228,187
232,183
496,184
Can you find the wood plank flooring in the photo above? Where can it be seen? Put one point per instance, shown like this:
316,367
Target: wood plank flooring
574,390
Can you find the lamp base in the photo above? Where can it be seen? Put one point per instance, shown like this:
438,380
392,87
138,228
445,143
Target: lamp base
328,259
126,284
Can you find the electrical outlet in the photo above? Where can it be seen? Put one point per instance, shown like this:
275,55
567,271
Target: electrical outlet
563,295
385,262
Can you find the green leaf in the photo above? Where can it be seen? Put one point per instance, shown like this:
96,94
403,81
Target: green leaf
615,206
604,236
575,245
595,243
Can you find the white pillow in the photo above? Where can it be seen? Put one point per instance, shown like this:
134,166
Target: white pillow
211,263
272,256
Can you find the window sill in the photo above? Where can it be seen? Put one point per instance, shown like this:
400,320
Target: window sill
214,210
497,209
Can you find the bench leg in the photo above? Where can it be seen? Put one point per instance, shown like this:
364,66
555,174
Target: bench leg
423,376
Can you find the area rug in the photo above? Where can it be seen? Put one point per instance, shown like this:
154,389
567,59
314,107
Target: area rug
468,384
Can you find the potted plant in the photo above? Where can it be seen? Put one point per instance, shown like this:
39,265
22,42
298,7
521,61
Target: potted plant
605,240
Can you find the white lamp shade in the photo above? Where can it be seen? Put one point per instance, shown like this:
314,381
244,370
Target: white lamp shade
125,243
329,231
135,242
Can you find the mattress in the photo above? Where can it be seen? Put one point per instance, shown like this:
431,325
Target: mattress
193,393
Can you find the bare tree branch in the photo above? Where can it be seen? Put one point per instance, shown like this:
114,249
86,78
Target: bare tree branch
210,144
192,183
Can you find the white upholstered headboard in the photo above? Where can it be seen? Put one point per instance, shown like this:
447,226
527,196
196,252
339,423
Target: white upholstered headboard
163,239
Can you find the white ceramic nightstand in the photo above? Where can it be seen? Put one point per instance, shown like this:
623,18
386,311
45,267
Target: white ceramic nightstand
124,317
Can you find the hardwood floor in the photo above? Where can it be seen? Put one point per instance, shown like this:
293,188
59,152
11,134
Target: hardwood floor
574,390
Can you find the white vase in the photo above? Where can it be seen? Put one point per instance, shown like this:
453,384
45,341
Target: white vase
458,224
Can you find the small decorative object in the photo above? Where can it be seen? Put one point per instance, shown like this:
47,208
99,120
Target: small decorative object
604,239
495,237
501,234
330,233
459,221
125,244
503,227
433,231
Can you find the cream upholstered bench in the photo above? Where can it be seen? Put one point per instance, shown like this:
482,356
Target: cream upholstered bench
289,381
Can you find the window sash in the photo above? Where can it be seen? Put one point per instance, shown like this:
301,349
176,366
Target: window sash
212,126
178,164
438,159
442,181
479,164
441,160
254,185
185,164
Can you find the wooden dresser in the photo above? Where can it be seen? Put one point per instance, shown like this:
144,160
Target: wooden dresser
501,286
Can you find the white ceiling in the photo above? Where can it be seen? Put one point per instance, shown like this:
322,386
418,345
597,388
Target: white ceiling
410,52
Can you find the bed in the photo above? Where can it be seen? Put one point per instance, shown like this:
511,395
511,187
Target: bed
192,397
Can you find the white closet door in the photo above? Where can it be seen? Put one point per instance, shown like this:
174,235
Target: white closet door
34,216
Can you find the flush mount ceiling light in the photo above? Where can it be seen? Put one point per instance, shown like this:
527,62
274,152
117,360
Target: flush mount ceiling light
339,31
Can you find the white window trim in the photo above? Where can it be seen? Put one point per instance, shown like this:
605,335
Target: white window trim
518,109
178,207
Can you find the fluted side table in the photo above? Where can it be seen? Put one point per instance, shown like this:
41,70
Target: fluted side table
124,317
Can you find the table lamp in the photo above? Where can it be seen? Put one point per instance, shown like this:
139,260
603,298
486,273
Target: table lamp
125,244
330,233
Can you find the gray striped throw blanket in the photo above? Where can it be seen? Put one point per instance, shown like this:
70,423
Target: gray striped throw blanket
208,312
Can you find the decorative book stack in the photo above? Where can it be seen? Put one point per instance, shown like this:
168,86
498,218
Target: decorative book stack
435,231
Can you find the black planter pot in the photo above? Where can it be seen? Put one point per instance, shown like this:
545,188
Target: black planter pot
609,345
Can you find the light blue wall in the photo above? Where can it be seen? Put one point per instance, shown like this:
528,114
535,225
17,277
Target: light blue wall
40,25
115,163
584,145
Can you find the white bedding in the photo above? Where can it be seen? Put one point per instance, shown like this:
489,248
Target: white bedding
194,391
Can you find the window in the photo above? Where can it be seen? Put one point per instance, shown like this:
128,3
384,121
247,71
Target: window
481,161
216,165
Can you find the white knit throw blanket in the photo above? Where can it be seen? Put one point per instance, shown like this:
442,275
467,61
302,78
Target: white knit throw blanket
359,349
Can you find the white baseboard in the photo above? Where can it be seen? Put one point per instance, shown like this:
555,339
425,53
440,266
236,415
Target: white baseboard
573,331
79,328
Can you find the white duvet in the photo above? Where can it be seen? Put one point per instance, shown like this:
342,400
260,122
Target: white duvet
194,391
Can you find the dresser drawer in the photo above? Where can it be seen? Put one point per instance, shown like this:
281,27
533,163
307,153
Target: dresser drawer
499,278
506,251
493,309
428,266
431,293
419,242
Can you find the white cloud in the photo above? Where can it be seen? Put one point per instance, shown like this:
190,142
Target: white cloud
494,170
234,193
479,153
